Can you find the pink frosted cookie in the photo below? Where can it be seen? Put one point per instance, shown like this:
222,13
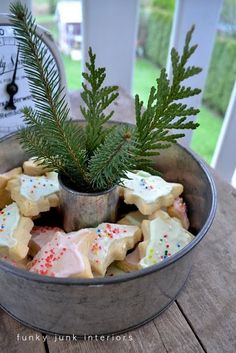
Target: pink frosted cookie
148,192
66,255
40,237
163,237
112,243
131,261
179,210
14,232
34,195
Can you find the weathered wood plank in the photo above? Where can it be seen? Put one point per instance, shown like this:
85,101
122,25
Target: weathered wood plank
210,296
16,338
175,333
143,340
168,333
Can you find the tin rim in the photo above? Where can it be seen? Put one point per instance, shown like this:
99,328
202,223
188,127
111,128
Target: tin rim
88,194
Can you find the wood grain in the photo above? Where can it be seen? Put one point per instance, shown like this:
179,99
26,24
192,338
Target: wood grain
16,338
168,333
209,300
175,333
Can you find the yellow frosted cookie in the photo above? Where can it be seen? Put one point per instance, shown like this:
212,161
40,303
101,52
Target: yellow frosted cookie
148,192
34,168
66,255
14,232
112,243
163,237
34,195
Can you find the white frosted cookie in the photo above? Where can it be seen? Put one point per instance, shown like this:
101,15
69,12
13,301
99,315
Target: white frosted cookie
179,210
34,195
163,237
112,243
148,192
66,255
34,168
41,235
14,232
5,196
131,261
133,218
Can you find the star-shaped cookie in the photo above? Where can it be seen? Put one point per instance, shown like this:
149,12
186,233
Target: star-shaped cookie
148,192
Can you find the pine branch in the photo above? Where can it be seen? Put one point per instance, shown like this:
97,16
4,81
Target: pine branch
96,98
96,158
112,159
163,113
36,148
57,134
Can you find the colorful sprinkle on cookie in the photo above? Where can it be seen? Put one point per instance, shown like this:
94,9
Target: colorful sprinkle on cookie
66,255
111,243
163,237
148,192
41,236
34,195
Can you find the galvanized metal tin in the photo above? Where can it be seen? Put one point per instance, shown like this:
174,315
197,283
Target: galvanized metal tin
112,304
83,210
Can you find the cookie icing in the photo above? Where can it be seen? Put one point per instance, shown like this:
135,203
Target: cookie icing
41,235
107,234
166,238
61,257
34,188
9,219
147,186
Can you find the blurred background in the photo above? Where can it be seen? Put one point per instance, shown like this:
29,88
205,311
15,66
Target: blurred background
64,20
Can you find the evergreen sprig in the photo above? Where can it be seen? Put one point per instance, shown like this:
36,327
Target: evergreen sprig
97,157
49,126
112,159
163,114
96,98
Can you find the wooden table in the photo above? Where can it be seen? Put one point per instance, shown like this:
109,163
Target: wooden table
202,319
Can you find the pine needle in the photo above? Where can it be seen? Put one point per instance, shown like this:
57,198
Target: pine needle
97,157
